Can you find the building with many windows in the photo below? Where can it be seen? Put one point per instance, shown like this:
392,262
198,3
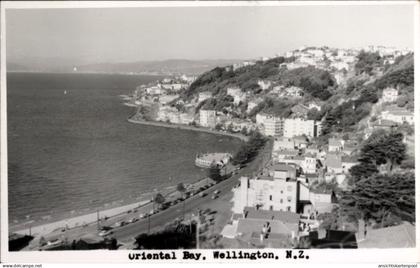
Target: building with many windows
298,127
270,125
208,118
268,193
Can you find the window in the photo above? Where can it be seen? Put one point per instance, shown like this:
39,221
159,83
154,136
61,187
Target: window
281,191
288,208
281,201
271,207
289,199
271,198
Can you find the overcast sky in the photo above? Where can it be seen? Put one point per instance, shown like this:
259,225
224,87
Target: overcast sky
120,35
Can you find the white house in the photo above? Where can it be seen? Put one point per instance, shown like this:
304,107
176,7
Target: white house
335,145
389,94
314,105
309,164
252,104
202,96
233,91
293,91
398,116
264,84
186,118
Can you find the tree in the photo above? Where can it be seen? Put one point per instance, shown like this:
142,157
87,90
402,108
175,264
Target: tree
375,197
159,199
402,100
363,170
230,127
250,149
313,114
214,172
244,131
381,148
181,189
367,62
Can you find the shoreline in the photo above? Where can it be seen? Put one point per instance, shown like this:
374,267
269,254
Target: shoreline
91,217
42,228
185,127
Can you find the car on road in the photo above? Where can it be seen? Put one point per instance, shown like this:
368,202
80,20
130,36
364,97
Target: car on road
105,228
152,212
142,215
119,224
54,242
132,220
216,192
105,232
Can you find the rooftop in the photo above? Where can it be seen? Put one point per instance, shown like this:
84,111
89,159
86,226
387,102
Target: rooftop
295,157
384,123
401,236
288,152
248,226
333,160
283,167
284,216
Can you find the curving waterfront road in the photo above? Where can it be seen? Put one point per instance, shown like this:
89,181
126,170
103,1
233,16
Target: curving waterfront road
128,232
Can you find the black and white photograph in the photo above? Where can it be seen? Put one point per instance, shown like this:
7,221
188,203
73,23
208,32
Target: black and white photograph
189,126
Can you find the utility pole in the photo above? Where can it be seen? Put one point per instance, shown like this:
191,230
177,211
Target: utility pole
148,224
97,217
197,231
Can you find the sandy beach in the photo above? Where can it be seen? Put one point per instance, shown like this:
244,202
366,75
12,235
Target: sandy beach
81,220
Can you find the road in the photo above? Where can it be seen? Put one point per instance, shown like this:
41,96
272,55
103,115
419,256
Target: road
128,232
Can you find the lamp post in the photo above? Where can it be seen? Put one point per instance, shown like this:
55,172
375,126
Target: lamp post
153,209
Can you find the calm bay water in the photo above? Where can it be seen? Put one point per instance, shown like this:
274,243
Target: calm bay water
74,152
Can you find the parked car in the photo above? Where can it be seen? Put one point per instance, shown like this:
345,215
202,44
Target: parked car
132,220
105,232
142,215
54,242
119,224
203,194
105,228
216,192
214,196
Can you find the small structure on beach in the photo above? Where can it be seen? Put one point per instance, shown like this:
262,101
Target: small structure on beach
207,160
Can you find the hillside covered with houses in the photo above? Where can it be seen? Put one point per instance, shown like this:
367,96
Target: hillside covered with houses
342,126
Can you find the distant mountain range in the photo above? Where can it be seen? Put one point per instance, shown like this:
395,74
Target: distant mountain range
165,67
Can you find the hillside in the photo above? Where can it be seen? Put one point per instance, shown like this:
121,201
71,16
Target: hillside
343,105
